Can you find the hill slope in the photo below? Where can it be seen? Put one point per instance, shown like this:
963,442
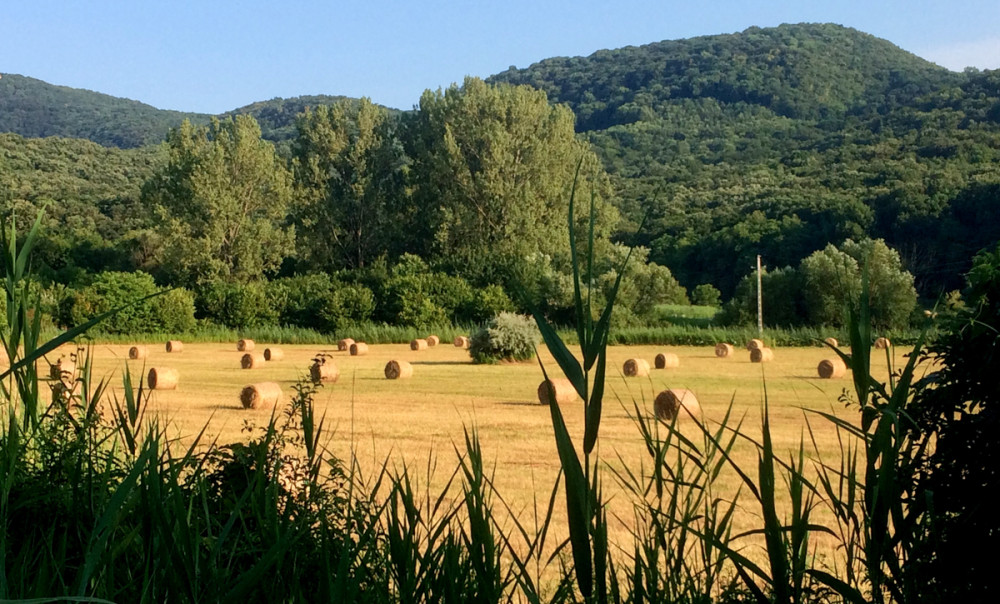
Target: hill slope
804,71
33,109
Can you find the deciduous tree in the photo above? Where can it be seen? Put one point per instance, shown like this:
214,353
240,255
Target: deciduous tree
221,204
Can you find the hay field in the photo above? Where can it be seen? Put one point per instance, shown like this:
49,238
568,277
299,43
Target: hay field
412,421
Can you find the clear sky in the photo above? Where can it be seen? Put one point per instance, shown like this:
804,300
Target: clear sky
213,56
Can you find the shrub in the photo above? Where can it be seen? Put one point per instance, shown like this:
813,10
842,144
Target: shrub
175,310
448,292
508,337
485,303
238,305
346,305
961,414
782,300
170,312
301,299
423,299
706,295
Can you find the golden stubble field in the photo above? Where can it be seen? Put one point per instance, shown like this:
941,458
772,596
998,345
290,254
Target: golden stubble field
415,420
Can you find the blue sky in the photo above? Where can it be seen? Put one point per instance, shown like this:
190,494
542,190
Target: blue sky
213,56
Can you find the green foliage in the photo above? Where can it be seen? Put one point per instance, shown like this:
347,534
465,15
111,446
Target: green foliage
706,294
833,277
485,303
507,337
221,204
641,288
960,412
491,166
348,166
782,301
347,305
238,305
33,108
171,312
300,298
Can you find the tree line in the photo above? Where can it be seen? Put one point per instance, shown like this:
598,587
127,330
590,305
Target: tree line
425,218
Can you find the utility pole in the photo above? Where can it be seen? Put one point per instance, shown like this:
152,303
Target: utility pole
760,303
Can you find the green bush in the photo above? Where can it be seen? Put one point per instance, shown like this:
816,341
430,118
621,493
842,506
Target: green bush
508,337
706,295
175,311
485,303
423,299
346,305
960,536
301,299
238,305
168,313
783,303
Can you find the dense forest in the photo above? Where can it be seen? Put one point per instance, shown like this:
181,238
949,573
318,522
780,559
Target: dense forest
807,144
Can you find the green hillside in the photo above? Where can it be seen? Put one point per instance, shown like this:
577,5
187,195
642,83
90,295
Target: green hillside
779,141
805,71
33,108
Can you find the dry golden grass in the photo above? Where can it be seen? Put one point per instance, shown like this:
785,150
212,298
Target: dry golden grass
410,421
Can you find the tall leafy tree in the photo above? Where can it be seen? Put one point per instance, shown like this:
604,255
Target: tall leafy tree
221,204
348,167
832,277
492,169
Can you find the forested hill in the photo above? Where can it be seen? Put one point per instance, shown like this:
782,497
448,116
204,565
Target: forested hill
804,71
277,116
779,141
34,109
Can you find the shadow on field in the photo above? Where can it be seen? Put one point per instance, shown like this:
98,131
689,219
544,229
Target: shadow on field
440,362
521,404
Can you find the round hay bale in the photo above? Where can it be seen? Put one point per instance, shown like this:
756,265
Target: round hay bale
245,345
273,354
433,340
754,344
668,403
138,352
418,344
162,378
636,368
564,391
666,360
260,395
723,350
345,344
882,343
831,368
358,349
397,370
175,346
324,372
831,342
252,360
461,342
761,355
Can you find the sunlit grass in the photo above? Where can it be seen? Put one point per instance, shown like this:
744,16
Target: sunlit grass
413,420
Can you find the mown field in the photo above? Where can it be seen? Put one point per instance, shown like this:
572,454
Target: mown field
419,422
